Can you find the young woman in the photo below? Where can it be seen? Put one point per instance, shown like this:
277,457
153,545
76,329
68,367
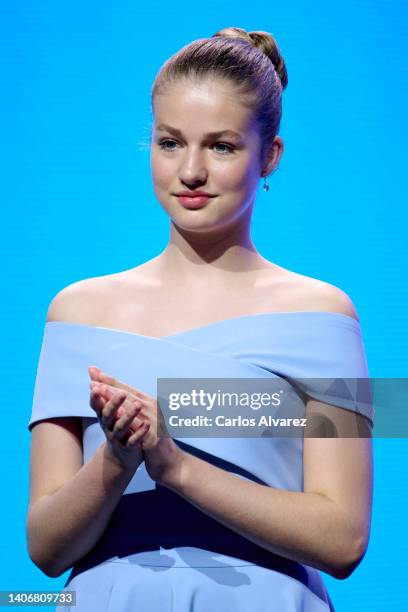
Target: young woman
154,523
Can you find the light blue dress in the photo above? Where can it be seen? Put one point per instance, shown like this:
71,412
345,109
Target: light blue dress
159,553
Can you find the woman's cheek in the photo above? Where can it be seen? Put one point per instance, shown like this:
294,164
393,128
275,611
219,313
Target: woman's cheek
162,171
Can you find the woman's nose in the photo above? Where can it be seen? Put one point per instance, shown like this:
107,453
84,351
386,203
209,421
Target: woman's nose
192,168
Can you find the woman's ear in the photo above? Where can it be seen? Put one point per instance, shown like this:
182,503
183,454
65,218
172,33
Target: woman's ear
274,156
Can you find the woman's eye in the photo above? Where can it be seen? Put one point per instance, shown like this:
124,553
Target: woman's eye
164,145
230,148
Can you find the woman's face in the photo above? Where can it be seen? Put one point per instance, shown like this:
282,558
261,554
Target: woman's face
187,155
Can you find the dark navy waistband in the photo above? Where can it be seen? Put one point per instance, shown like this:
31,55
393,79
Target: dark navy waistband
159,518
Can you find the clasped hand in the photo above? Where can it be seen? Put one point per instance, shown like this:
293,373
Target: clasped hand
134,428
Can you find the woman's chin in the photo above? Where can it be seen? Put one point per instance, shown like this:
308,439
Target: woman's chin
195,225
204,230
192,219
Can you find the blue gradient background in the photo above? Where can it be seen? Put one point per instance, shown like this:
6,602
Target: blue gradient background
77,200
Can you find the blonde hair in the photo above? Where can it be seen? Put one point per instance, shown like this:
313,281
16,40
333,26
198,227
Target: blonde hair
251,61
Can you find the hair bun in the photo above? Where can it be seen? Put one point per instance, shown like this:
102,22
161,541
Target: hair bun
263,41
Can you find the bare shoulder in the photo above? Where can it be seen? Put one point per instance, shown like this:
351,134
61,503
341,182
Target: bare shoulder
100,300
308,293
82,301
320,295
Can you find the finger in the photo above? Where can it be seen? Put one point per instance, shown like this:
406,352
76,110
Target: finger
148,439
97,402
141,416
139,435
115,382
108,416
97,375
107,391
129,410
94,372
121,429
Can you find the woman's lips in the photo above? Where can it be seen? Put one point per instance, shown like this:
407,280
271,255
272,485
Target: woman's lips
194,202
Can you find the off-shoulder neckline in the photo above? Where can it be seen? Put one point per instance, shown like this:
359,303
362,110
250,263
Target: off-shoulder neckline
347,319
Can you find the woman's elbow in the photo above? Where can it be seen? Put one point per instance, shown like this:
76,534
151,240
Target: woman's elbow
36,554
347,561
47,569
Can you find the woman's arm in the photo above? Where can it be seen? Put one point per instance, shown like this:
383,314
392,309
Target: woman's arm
326,526
70,505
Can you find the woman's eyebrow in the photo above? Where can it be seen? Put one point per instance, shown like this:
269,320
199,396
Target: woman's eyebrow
178,133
